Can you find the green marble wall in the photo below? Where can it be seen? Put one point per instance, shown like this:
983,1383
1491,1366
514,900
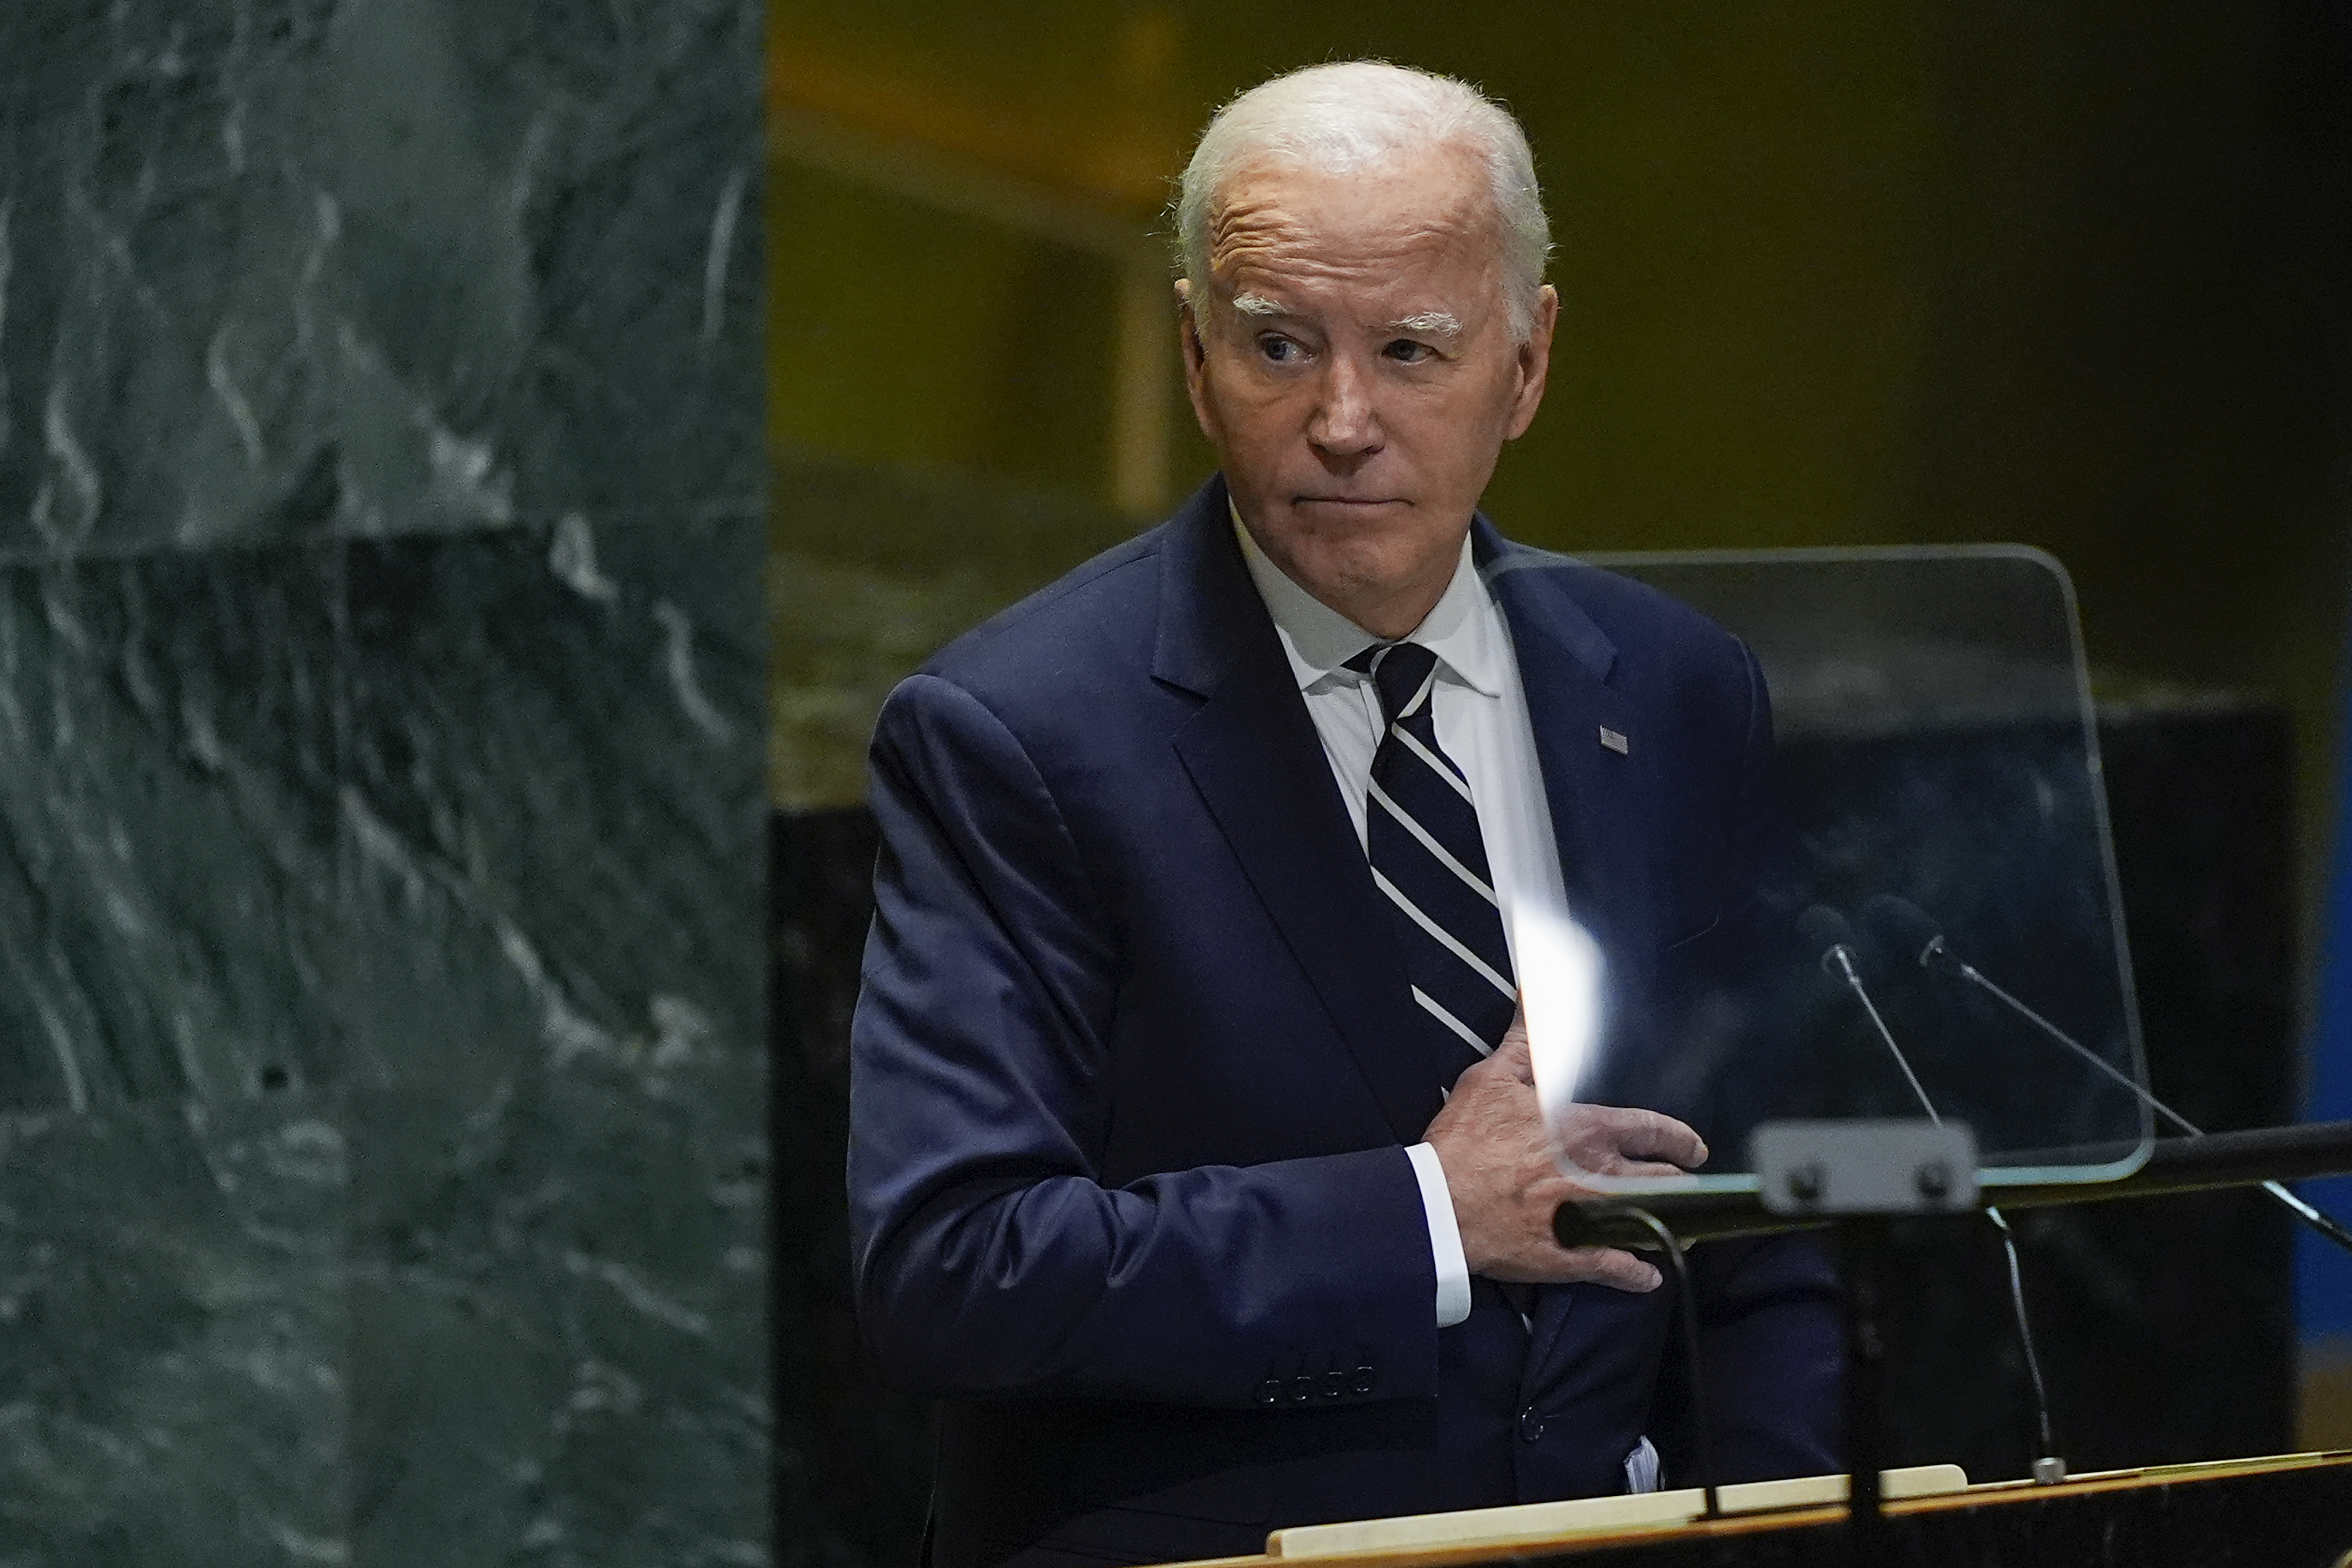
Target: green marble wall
383,1126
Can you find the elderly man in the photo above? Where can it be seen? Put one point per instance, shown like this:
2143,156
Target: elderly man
1194,1159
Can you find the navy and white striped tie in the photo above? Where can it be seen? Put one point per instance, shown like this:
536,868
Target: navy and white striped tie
1429,862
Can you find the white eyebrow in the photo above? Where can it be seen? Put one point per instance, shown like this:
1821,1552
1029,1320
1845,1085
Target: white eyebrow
1437,323
1432,323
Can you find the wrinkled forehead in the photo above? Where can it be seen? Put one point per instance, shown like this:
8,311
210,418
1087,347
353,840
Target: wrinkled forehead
1277,217
1430,187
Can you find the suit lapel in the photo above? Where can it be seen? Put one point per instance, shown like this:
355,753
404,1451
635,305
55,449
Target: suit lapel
1591,789
1252,754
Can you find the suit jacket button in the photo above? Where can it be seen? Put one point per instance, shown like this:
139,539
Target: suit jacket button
1335,1383
1270,1391
1531,1427
1364,1380
1302,1388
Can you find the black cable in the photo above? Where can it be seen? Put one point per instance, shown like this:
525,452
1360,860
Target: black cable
1702,1448
2049,1448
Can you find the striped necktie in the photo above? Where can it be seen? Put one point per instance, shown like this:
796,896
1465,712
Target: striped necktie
1429,860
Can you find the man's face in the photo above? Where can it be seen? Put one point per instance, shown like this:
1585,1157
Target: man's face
1355,366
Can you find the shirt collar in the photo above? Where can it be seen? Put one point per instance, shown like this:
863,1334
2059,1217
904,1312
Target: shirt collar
1464,629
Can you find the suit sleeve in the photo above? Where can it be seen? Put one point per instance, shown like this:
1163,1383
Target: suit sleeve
988,1257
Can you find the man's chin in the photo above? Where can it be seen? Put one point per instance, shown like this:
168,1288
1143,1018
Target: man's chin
1367,586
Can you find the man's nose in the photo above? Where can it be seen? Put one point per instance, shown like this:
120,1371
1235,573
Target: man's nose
1344,423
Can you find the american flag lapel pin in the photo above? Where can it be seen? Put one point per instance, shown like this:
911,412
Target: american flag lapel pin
1614,741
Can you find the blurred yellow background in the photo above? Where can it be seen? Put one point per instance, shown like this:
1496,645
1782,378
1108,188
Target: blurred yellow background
1834,272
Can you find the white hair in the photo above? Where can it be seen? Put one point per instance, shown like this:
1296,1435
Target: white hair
1362,114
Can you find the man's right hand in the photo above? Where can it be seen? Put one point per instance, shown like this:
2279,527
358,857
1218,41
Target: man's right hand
1499,1168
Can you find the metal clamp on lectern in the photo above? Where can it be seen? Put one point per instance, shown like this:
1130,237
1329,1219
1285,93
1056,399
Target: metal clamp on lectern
1855,1175
1862,1173
1886,1167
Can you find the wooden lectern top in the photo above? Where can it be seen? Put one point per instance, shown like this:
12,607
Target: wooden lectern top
2282,1511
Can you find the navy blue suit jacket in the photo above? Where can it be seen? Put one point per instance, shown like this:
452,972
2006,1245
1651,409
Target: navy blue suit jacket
1129,1101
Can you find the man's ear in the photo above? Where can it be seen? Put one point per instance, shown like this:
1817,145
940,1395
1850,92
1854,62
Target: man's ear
1535,363
1196,357
1188,329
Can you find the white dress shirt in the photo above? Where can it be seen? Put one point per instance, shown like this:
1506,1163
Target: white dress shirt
1481,714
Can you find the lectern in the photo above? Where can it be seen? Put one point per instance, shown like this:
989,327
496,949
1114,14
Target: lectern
2293,1511
1966,1040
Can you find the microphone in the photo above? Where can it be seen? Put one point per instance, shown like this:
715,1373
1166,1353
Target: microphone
1824,927
1908,928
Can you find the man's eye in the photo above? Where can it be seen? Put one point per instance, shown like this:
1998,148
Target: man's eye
1279,351
1406,352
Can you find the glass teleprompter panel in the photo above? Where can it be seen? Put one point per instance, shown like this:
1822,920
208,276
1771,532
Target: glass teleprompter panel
1946,846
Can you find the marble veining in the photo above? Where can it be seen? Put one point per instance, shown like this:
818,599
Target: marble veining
174,1387
556,1061
274,268
382,1080
390,1159
168,827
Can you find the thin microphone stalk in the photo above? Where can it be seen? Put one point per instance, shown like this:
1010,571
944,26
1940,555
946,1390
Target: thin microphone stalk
1826,925
1911,926
1837,961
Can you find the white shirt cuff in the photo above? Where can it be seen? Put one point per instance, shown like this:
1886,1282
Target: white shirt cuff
1445,1238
